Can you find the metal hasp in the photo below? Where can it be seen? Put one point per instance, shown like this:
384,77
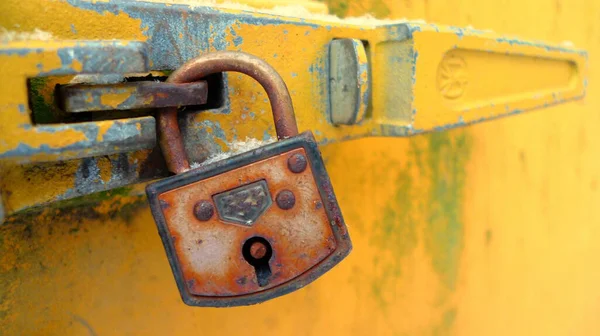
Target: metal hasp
404,78
251,251
129,96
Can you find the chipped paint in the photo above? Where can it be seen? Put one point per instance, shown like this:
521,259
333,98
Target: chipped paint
22,142
114,99
177,32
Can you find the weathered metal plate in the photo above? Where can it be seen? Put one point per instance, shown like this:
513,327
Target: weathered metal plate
206,256
244,204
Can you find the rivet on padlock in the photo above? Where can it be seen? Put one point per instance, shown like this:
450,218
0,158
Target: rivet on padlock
253,226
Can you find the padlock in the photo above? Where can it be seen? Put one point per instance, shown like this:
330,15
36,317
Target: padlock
254,226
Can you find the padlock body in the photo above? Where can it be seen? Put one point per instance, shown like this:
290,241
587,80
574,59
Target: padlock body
264,195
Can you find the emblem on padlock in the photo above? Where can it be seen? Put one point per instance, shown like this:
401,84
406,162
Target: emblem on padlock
253,226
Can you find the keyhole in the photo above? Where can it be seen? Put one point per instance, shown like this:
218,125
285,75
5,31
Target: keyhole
257,252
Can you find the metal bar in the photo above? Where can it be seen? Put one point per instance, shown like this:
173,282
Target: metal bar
128,96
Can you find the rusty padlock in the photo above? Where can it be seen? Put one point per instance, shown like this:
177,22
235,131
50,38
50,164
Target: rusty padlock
253,226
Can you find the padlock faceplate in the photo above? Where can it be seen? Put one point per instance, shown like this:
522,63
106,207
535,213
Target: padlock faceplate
206,256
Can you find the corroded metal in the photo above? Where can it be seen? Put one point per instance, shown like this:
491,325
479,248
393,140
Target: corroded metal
285,199
258,250
281,103
349,83
297,163
204,210
129,96
208,258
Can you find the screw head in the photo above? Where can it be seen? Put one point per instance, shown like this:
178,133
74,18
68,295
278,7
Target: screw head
297,163
204,210
258,250
285,199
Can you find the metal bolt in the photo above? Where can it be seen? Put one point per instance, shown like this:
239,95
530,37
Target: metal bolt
285,199
297,163
258,250
204,210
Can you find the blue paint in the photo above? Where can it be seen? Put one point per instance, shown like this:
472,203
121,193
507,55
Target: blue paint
399,32
319,68
218,131
275,55
415,28
22,108
415,57
73,30
203,28
121,131
20,51
294,74
459,32
266,135
101,57
23,150
237,41
285,32
514,41
121,136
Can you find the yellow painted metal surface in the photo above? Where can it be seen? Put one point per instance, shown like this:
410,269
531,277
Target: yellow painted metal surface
488,230
441,78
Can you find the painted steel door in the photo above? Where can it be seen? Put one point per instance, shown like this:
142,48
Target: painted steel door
492,229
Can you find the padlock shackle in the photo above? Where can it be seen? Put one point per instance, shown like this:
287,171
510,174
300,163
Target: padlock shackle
170,138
